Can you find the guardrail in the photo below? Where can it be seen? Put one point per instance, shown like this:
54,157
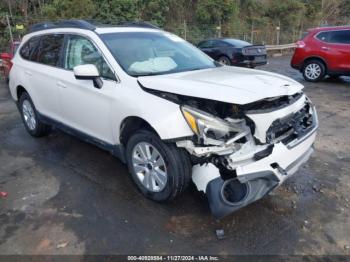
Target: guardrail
279,50
280,47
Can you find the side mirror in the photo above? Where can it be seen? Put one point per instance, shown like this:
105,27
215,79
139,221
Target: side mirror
88,72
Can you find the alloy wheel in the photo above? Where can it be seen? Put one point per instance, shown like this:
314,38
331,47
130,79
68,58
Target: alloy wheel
149,167
313,71
28,115
224,61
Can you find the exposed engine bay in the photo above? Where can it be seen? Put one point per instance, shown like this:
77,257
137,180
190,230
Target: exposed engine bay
242,152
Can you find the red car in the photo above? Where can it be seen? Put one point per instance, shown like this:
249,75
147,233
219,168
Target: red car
6,63
323,51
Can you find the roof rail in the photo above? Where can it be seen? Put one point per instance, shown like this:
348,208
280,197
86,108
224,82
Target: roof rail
82,24
87,25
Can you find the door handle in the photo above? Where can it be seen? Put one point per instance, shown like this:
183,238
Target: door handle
325,48
28,73
60,84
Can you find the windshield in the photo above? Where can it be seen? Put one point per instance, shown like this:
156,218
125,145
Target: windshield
155,53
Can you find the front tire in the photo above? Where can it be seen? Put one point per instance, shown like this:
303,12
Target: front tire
30,117
224,60
161,171
314,71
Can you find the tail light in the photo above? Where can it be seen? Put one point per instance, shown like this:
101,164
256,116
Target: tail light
301,44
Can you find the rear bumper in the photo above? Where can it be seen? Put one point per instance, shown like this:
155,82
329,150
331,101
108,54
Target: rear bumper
298,58
254,180
297,67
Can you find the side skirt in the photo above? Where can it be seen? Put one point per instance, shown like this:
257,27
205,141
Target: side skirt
115,150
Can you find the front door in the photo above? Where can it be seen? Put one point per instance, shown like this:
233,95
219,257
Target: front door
85,107
339,49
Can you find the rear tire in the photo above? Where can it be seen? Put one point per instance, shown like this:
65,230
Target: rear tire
30,118
161,171
314,71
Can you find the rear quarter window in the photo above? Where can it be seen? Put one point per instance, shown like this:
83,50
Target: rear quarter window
323,36
29,47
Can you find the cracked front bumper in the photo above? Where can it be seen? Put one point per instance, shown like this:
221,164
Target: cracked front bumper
259,177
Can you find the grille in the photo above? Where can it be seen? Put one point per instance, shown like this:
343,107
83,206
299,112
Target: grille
287,129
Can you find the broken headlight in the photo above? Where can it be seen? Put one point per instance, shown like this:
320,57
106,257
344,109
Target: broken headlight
211,129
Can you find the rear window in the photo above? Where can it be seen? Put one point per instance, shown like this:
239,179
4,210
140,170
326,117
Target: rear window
237,43
50,49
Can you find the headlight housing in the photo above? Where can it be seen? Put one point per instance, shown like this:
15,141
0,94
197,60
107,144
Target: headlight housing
211,129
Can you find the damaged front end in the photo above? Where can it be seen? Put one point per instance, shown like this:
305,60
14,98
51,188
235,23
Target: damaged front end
242,152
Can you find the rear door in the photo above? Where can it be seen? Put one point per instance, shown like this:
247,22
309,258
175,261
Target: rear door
42,71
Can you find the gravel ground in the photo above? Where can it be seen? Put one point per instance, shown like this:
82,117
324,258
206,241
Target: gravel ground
69,197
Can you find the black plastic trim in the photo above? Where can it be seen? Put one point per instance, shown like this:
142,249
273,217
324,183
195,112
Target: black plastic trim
258,189
116,150
91,26
81,24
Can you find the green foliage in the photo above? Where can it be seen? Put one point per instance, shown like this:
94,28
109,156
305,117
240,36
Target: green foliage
60,9
113,11
154,11
215,11
193,19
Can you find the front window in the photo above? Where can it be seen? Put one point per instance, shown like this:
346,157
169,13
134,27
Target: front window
80,51
154,53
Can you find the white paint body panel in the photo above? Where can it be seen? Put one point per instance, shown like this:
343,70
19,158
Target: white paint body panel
227,84
203,174
281,154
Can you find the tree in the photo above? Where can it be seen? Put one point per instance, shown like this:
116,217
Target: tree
154,11
114,11
69,9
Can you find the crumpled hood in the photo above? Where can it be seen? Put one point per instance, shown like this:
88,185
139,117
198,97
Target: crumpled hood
226,84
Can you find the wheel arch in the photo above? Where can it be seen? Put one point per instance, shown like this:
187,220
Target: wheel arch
315,58
19,91
130,125
223,55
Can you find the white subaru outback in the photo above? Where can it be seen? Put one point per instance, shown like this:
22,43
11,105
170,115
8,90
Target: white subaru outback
166,109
